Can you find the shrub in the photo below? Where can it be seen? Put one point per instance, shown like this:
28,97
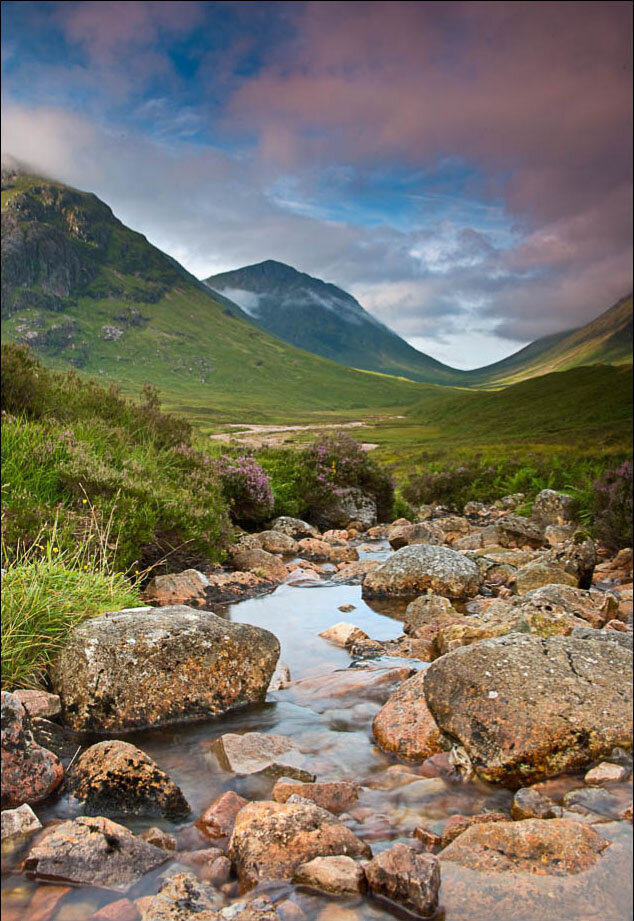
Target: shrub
285,469
335,462
612,507
246,487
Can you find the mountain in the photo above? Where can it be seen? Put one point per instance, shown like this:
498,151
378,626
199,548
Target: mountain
83,290
325,320
605,340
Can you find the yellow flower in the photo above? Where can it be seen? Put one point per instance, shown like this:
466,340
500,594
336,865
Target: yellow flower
55,550
83,501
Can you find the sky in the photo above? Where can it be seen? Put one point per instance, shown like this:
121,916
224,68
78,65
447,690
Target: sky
463,169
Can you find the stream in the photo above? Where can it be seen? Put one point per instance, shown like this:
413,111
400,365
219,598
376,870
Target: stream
335,733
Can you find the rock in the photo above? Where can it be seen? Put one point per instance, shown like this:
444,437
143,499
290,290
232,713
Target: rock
415,569
423,532
62,741
280,678
526,708
553,847
429,840
371,683
627,813
512,501
188,587
276,542
121,910
20,821
557,534
294,527
458,824
597,608
30,773
313,549
183,898
592,801
538,573
340,875
160,838
405,726
44,903
116,778
39,704
453,527
271,840
232,587
350,505
515,531
603,636
336,536
430,609
355,573
93,852
263,564
346,608
578,557
606,773
529,803
378,532
133,670
336,797
475,508
343,634
406,877
343,555
552,508
218,819
254,752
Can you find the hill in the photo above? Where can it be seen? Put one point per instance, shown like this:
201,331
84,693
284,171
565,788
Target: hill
82,289
605,340
322,318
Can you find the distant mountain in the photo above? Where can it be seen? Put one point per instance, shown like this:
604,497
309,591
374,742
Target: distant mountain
605,340
83,290
325,320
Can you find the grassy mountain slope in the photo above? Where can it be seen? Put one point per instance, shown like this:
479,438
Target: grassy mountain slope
605,340
325,320
82,289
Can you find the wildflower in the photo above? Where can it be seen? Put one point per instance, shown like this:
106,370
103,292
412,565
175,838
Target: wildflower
83,501
55,550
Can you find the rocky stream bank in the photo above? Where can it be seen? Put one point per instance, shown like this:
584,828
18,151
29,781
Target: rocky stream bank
431,718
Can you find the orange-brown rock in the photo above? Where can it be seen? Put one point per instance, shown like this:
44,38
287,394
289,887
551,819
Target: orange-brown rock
218,819
188,587
340,875
405,725
29,772
263,564
335,797
270,840
313,549
458,824
121,910
44,903
343,555
553,847
406,877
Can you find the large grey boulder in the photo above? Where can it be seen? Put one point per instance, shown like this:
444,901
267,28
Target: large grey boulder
418,568
131,670
351,505
552,508
525,708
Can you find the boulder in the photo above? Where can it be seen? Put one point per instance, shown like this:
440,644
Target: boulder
343,555
281,677
552,508
336,797
276,542
188,587
597,608
529,803
538,573
355,573
116,778
30,773
405,726
606,772
429,609
343,634
294,527
603,636
313,549
578,557
525,708
183,897
20,821
515,531
423,532
271,840
262,564
415,569
349,505
372,683
218,819
552,847
160,838
128,671
255,752
121,910
406,877
93,852
458,824
339,875
557,534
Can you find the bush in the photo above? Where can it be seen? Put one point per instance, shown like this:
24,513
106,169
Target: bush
285,469
335,462
612,507
246,488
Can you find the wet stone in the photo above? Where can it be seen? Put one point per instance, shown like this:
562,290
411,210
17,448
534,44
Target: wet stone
458,824
257,752
218,819
529,803
339,875
20,821
607,773
406,877
335,797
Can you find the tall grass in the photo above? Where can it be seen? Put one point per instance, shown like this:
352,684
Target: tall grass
46,591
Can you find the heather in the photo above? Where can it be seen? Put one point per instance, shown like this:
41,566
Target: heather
612,508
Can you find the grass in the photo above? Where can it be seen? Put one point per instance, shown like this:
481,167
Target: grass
45,593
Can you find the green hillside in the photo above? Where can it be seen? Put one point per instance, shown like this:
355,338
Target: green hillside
81,289
605,340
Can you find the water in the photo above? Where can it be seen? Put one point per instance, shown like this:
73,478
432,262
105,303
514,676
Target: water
335,734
